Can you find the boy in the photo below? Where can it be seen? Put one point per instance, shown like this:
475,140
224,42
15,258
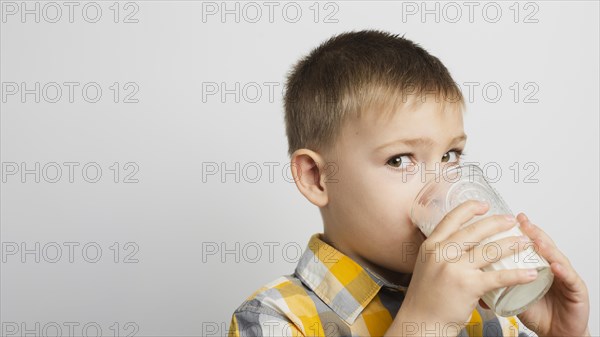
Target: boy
372,106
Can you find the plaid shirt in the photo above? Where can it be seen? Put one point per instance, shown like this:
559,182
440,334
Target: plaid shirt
331,295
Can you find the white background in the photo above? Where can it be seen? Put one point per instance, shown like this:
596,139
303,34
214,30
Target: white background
177,213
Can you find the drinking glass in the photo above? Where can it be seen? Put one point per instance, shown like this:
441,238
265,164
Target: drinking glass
457,184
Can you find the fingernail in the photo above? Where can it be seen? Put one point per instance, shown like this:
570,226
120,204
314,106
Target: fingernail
509,217
483,204
524,238
532,272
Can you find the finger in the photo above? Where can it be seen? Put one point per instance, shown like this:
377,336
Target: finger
484,228
571,280
524,220
494,251
495,279
543,244
559,263
459,215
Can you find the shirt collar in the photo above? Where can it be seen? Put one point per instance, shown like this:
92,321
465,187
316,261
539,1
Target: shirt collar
343,284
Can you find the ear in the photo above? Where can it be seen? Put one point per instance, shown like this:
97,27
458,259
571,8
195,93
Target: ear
309,172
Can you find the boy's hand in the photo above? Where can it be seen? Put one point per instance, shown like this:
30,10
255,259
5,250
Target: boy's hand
565,309
447,281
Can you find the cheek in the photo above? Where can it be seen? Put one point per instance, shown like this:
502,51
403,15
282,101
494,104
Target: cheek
374,194
392,201
385,202
389,189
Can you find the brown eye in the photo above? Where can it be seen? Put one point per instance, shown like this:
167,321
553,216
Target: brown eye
397,161
446,157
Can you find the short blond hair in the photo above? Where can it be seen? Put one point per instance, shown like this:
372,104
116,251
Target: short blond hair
353,72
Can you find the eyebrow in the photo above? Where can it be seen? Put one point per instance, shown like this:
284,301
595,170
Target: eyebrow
420,142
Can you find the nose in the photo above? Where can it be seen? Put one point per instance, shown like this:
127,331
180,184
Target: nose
430,172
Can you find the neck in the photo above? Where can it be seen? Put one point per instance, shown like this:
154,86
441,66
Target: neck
397,278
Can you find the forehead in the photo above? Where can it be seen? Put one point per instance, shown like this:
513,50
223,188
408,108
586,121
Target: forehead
429,119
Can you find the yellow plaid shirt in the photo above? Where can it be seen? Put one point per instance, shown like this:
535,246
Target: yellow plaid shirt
329,294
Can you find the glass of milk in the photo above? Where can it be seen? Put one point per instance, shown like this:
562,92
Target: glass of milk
457,184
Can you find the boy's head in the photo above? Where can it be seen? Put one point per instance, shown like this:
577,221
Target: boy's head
344,103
